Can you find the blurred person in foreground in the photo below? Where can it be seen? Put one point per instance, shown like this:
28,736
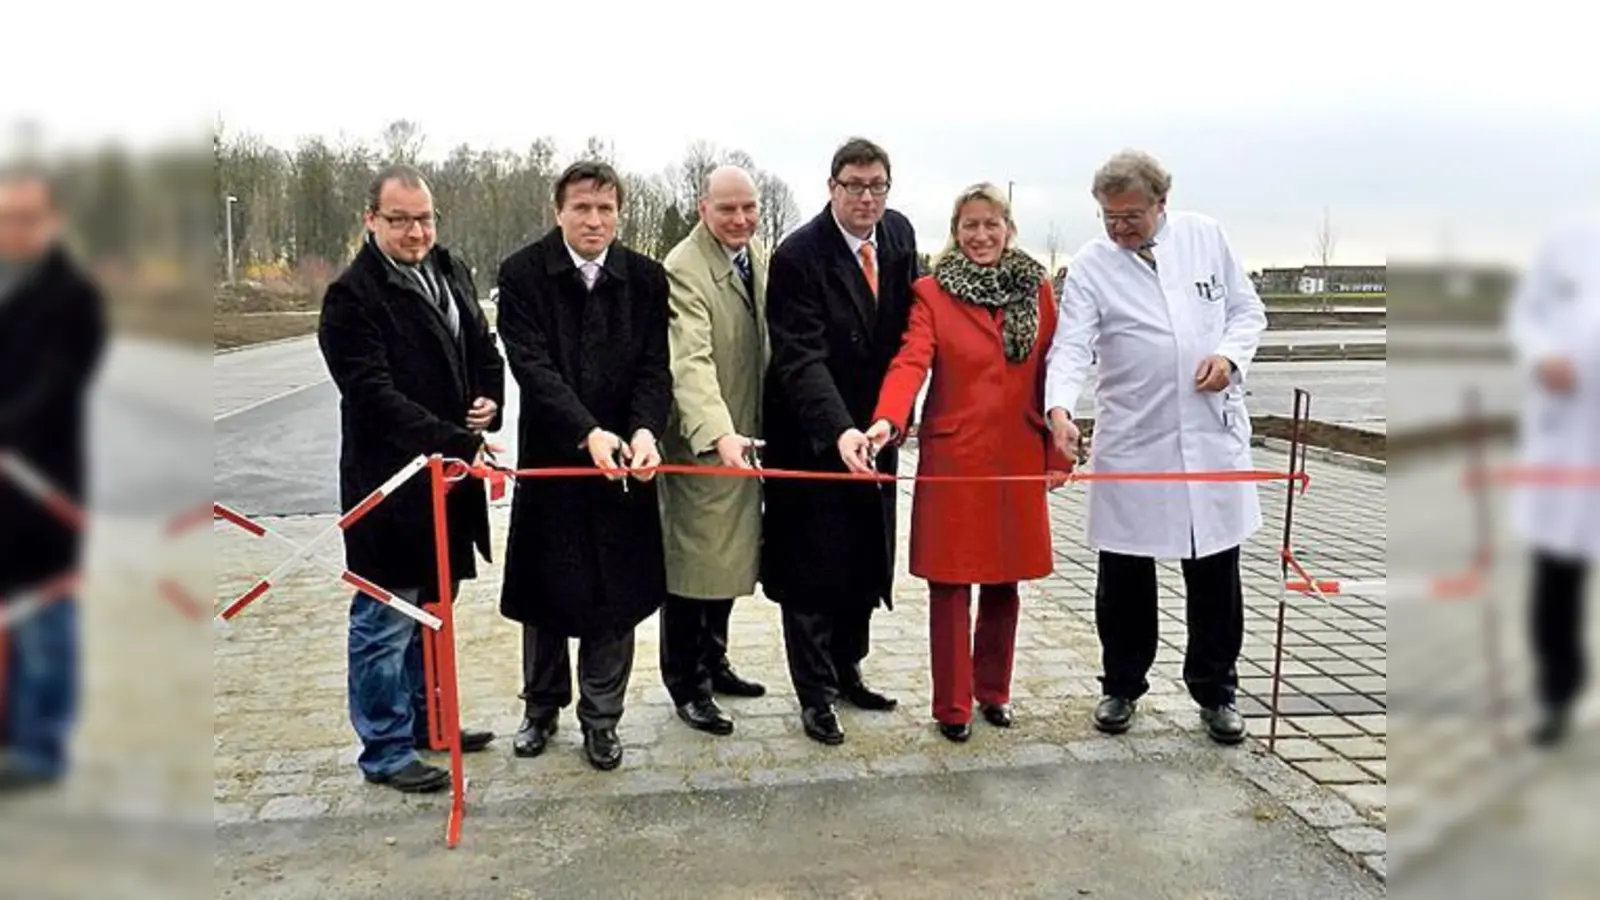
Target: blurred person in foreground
1553,321
712,526
1176,322
838,302
982,323
418,373
52,336
584,321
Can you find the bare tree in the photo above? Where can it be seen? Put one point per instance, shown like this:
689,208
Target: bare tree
690,174
779,212
1327,241
403,140
1052,246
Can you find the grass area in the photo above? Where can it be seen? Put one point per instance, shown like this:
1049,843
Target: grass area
238,330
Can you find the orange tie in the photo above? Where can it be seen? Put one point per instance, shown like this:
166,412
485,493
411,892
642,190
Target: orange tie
869,267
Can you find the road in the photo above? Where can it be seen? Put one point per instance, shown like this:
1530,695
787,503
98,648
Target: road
277,428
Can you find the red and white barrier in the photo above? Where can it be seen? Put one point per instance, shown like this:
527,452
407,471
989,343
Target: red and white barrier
306,554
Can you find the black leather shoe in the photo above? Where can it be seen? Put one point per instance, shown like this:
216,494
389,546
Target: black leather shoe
533,735
705,715
416,778
1223,723
955,731
603,748
1114,714
863,697
726,682
998,715
1551,730
471,741
822,725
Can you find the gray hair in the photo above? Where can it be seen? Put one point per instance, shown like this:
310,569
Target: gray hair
1132,170
408,175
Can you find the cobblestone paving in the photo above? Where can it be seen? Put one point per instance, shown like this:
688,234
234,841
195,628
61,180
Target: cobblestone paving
285,750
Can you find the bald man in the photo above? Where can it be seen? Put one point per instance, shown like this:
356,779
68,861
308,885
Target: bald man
712,526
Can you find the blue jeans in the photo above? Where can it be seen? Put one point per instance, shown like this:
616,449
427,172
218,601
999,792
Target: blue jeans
388,699
41,688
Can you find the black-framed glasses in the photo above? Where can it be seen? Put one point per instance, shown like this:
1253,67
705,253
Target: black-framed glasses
404,222
857,188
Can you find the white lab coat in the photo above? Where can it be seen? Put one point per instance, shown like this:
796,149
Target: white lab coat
1555,310
1151,333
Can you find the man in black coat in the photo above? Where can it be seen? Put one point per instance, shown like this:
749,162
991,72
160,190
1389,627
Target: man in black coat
418,373
838,301
584,321
52,337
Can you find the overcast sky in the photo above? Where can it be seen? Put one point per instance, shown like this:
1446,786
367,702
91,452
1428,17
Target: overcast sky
1420,130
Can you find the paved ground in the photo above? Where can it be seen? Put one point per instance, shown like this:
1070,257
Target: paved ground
284,773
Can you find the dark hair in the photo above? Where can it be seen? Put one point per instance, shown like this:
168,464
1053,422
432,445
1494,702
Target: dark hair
405,173
24,172
596,171
858,151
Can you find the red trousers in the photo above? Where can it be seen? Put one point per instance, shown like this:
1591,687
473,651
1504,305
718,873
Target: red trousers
964,668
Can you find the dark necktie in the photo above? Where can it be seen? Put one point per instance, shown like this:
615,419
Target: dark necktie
1147,253
741,263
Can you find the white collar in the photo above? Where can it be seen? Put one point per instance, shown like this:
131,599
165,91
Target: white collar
855,242
580,262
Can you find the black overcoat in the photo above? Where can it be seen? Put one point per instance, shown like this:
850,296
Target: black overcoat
584,556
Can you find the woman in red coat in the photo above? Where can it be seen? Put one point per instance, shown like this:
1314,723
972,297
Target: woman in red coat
982,322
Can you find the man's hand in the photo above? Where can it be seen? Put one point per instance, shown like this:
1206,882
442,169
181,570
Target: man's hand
734,450
1557,374
481,414
1064,433
641,453
603,449
880,434
1213,373
855,449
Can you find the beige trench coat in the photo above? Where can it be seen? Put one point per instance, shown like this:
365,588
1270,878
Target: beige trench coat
718,338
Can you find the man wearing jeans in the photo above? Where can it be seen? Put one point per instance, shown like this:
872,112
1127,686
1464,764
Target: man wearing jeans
418,373
52,336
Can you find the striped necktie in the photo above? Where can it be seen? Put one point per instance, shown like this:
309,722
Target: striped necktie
1147,253
741,264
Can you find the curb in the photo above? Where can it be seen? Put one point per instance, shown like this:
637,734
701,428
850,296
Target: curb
226,350
1323,454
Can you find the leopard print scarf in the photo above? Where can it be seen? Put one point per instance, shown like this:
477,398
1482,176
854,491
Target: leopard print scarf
1012,285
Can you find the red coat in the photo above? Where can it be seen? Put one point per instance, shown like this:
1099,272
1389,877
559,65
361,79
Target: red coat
982,416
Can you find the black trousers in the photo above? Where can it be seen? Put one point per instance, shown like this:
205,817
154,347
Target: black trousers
604,667
694,645
1557,629
825,651
1127,618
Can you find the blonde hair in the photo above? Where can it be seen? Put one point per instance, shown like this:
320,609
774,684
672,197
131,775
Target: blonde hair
988,193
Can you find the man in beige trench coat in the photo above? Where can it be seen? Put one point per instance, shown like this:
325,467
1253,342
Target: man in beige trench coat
712,525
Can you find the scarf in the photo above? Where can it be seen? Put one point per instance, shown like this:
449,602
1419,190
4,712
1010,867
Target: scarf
1012,285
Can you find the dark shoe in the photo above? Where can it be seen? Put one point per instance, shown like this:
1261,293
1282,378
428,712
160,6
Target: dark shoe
1223,723
998,715
705,715
471,741
17,780
1114,714
822,725
1551,730
533,735
603,748
416,778
863,697
726,682
955,731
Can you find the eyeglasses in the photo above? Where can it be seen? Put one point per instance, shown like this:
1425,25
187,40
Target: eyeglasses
403,222
856,188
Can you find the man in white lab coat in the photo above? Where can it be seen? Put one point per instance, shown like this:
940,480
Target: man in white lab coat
1554,324
1176,322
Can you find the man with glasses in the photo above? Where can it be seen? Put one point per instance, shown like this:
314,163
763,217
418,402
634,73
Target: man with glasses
1176,321
418,373
838,301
